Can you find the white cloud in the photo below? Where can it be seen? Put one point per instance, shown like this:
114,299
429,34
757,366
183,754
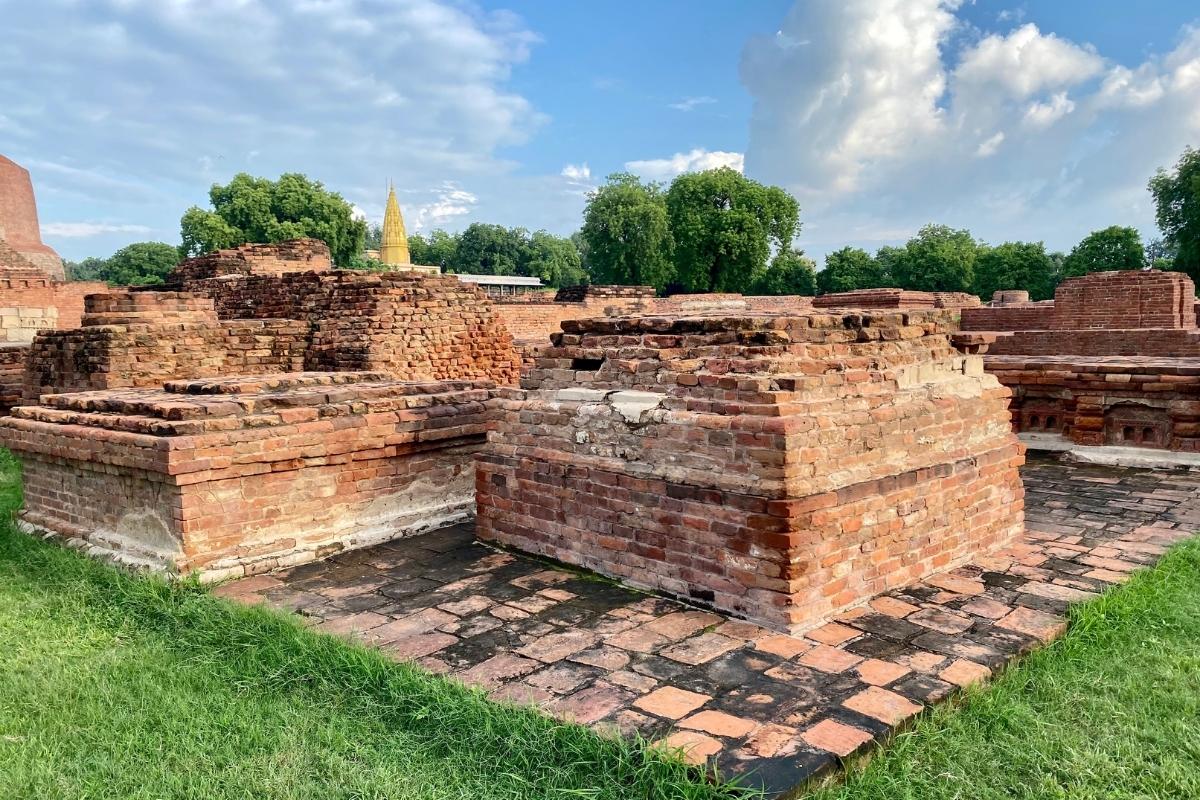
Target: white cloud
579,173
450,201
990,145
82,230
1026,62
663,169
1040,115
691,103
171,97
880,116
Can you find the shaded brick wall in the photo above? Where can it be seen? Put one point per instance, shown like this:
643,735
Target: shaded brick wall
1115,300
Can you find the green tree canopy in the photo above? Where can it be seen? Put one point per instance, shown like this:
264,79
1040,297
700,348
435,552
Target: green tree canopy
138,264
554,259
489,250
937,259
250,209
1177,210
1113,248
626,235
790,273
848,269
437,248
724,226
1015,265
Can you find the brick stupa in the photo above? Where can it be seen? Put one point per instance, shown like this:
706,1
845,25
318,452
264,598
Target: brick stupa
19,220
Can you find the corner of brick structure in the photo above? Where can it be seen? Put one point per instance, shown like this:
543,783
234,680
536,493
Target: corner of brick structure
778,467
237,476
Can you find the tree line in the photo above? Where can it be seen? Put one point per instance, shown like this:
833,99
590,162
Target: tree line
712,231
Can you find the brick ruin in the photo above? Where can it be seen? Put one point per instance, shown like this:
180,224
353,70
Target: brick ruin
401,324
896,298
33,293
294,255
242,475
779,467
1114,359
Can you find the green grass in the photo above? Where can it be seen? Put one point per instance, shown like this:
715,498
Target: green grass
1111,712
114,686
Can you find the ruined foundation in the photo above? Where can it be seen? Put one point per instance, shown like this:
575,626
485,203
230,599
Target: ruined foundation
777,467
1113,360
239,476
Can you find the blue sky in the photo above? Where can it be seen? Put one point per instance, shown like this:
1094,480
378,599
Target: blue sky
1036,120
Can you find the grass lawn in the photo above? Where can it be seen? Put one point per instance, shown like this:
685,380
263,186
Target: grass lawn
1110,712
113,686
122,687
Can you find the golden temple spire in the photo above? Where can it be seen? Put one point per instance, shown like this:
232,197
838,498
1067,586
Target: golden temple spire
393,247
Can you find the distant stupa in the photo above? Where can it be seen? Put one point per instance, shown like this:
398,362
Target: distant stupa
393,247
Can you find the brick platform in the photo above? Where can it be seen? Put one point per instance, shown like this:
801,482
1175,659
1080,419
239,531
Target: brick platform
238,476
409,326
772,708
294,255
781,468
895,299
1114,360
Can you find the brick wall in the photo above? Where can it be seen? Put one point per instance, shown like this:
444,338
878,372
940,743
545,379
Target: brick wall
1129,299
763,464
294,255
1010,317
1135,401
238,476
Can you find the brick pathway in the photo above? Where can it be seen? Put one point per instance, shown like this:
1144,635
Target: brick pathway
772,707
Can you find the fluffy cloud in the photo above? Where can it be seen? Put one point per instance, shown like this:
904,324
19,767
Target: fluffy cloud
579,173
663,169
80,230
450,201
692,103
183,94
882,115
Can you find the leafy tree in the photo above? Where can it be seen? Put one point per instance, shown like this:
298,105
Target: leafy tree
848,269
489,250
138,264
90,269
374,237
554,259
937,259
724,226
1113,248
1177,210
1015,265
250,209
626,235
790,273
885,266
437,248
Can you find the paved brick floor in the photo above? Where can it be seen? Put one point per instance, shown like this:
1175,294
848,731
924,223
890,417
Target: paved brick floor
771,707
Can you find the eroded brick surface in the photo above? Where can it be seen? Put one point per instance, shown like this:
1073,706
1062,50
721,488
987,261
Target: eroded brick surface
743,696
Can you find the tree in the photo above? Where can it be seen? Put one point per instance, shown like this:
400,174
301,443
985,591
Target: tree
1015,265
489,250
250,209
848,269
885,266
790,273
436,249
1177,210
1113,248
90,269
937,259
625,233
138,264
554,259
1160,255
373,239
724,226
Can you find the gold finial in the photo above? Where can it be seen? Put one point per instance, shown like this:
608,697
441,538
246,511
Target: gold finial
393,247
